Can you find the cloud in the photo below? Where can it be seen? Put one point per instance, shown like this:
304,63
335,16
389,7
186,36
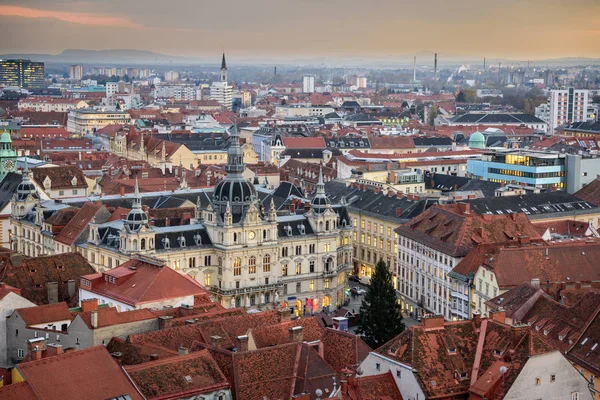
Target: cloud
72,17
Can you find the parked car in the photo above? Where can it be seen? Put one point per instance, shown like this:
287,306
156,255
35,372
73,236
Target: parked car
359,290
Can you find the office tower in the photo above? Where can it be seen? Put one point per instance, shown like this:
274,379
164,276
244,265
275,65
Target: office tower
22,73
567,106
76,72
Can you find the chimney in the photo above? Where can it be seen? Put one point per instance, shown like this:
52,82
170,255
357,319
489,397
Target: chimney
471,196
216,341
455,187
241,343
535,282
399,195
167,222
377,190
72,288
89,305
392,177
283,315
52,292
370,167
293,207
35,347
398,212
464,208
307,206
481,231
165,322
145,208
94,319
296,334
344,387
53,349
153,356
498,316
391,193
513,216
524,239
476,320
122,189
432,323
183,350
409,197
417,198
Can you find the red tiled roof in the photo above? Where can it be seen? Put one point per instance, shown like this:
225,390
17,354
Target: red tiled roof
375,387
177,377
109,316
569,228
304,142
79,223
89,374
132,354
61,177
44,313
17,391
457,155
392,142
454,230
585,348
41,118
44,131
33,274
590,192
147,283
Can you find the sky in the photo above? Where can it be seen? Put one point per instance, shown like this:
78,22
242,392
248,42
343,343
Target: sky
511,29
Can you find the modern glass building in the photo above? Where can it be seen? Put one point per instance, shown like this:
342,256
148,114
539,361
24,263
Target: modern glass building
22,73
542,170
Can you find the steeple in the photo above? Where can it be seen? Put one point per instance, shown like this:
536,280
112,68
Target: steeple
320,202
235,155
223,69
136,217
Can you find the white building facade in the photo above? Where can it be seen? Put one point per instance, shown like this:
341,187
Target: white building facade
567,106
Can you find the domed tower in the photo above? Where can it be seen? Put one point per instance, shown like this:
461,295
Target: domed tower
26,195
477,140
136,218
234,189
8,156
320,202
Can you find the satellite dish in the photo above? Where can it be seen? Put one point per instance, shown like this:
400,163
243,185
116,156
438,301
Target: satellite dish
319,392
503,370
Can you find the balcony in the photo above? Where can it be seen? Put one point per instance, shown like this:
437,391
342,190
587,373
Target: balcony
246,290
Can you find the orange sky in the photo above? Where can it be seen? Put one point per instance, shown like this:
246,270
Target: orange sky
525,29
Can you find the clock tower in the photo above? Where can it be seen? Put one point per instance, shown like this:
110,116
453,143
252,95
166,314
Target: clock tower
8,156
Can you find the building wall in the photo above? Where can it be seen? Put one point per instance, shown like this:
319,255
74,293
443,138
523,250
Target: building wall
581,171
8,304
405,378
93,337
593,381
536,380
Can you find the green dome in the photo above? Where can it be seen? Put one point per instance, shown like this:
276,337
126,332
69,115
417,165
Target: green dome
477,140
5,137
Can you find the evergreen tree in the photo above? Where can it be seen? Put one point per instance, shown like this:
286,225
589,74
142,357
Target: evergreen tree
461,98
380,317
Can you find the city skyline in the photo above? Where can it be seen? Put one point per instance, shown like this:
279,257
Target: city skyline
304,29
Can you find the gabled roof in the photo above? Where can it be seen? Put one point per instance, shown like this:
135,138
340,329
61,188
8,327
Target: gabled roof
109,316
89,374
44,313
590,192
454,230
32,275
61,177
79,223
177,377
303,142
144,284
17,391
374,387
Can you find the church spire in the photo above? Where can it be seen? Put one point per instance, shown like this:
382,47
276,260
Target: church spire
137,200
223,69
223,63
320,184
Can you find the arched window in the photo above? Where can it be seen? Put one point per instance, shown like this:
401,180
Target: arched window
134,245
329,265
252,265
220,265
267,263
192,262
235,236
237,266
326,225
143,244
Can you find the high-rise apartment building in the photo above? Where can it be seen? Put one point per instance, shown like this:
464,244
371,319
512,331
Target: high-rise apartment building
567,106
308,84
22,73
76,72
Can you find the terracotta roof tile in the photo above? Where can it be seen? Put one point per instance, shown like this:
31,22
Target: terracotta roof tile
79,223
17,391
89,374
304,142
590,192
44,313
132,354
109,316
375,387
181,376
61,177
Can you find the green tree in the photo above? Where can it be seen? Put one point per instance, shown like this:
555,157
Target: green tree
596,99
433,114
460,97
380,317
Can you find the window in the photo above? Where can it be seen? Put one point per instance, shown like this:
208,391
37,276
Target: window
237,266
284,252
378,366
312,267
298,287
538,381
284,270
326,247
298,250
20,353
398,373
16,332
311,248
252,265
61,192
74,191
267,263
206,279
552,378
311,285
326,283
574,395
298,268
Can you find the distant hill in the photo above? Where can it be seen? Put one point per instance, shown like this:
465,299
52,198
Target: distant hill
125,56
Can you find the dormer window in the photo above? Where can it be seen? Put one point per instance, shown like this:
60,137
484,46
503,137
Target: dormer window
498,352
166,243
451,350
463,375
288,230
302,229
198,239
181,240
74,181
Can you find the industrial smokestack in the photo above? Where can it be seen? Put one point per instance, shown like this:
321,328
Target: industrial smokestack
415,69
435,76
